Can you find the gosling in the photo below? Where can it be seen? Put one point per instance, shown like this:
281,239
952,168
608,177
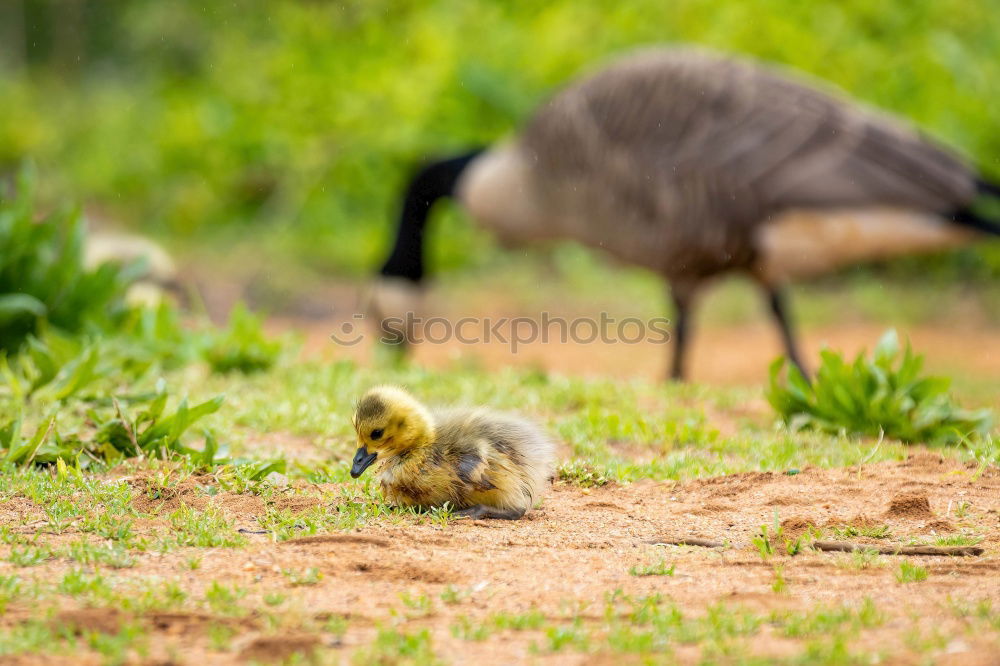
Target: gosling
484,463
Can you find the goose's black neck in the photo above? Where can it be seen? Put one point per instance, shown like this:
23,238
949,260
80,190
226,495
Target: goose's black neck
434,181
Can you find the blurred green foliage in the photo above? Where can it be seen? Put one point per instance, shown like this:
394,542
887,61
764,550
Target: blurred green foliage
243,345
62,314
294,123
42,273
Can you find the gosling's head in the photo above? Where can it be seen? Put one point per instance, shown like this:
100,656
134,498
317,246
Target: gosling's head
388,421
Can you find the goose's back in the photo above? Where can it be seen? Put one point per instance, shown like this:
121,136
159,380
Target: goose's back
673,159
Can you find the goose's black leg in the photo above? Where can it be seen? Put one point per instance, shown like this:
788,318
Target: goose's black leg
483,511
776,302
683,297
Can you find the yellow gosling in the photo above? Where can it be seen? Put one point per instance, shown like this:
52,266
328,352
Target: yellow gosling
484,463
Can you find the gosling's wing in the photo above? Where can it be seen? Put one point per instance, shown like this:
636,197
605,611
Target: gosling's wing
685,139
473,468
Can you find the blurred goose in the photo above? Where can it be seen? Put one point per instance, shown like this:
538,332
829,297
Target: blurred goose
157,273
692,165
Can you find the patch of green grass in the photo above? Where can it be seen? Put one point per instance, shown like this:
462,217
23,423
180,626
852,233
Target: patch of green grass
652,625
583,474
467,630
305,577
822,620
398,647
79,583
451,595
871,531
109,526
30,556
10,589
220,636
421,605
884,394
910,573
224,599
779,584
958,540
573,637
202,529
658,569
243,346
36,637
111,555
533,619
865,558
275,598
335,625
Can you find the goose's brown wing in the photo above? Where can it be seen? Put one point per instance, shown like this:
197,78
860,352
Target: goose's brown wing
703,148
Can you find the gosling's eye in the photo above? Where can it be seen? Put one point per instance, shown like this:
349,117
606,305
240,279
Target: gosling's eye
376,433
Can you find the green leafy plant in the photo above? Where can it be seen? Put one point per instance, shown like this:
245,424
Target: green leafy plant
152,433
243,346
872,396
763,543
54,366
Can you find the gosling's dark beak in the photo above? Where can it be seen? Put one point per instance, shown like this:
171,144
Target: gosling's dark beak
362,460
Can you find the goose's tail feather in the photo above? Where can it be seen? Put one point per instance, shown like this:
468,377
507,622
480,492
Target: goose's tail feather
974,219
987,188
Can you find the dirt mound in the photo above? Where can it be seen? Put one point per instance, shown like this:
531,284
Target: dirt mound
926,459
405,572
796,526
90,620
604,505
244,506
182,623
863,520
909,505
717,507
279,648
939,526
152,497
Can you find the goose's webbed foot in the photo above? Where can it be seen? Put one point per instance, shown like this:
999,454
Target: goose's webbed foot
485,512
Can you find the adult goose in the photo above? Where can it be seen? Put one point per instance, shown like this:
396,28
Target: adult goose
693,164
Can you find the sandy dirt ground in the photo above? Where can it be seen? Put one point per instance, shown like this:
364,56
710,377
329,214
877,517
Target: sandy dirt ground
567,556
